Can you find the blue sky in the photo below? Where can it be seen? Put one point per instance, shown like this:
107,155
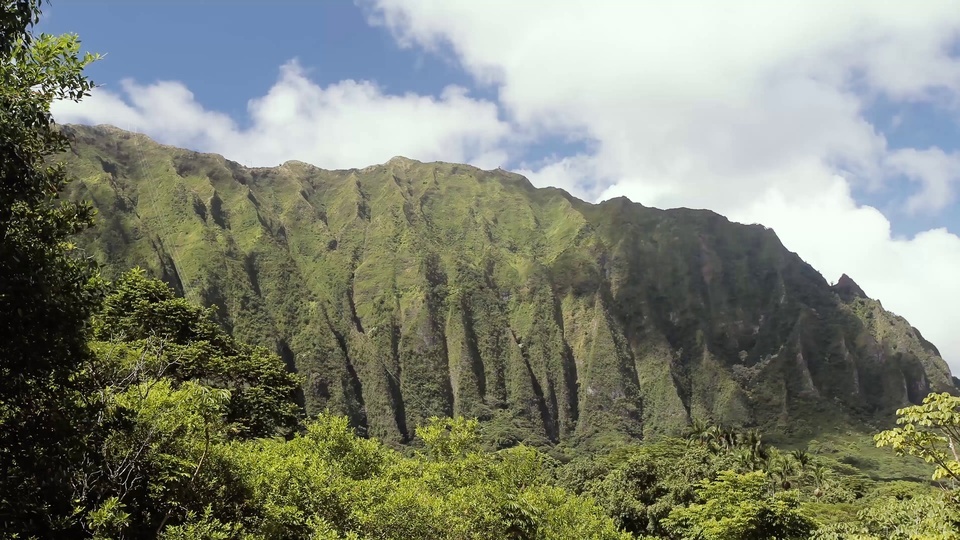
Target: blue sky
226,56
839,128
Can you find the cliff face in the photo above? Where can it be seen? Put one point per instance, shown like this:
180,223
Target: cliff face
408,289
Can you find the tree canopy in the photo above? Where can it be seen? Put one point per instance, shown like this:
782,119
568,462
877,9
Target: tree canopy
47,289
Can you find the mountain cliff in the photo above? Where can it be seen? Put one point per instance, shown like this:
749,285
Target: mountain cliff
407,290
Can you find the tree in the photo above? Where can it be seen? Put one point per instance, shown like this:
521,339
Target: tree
146,330
739,507
450,438
638,486
47,291
930,431
154,471
930,517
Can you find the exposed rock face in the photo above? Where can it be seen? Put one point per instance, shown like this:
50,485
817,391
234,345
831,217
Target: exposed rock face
410,289
847,289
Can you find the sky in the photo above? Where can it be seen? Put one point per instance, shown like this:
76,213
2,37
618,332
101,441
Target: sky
835,124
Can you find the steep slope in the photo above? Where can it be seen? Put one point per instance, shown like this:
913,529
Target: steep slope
406,290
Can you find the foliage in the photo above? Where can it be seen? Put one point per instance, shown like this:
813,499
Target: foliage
930,517
660,490
47,290
739,506
450,437
171,461
639,486
165,335
930,431
329,483
155,467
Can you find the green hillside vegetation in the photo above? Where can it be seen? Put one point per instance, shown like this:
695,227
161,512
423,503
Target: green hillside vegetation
236,367
409,290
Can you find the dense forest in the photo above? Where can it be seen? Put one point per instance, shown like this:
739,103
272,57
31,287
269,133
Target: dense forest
128,411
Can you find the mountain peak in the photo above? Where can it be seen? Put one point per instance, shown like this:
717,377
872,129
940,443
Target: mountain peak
848,289
400,160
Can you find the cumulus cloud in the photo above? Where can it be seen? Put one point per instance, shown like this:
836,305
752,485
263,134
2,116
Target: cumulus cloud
348,124
571,173
936,172
756,110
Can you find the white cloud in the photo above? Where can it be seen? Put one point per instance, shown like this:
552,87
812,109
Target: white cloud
935,170
755,110
348,124
571,173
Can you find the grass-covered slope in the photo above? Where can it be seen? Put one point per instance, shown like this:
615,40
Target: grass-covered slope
407,290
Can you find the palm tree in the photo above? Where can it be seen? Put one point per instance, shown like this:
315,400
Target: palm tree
730,439
783,469
714,438
819,474
753,441
697,431
802,459
722,438
746,459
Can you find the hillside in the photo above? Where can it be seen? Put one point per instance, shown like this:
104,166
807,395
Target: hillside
407,290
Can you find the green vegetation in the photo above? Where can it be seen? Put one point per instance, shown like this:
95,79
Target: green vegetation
46,292
930,431
726,483
127,410
409,290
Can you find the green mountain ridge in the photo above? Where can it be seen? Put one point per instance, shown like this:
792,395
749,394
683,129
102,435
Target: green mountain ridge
406,290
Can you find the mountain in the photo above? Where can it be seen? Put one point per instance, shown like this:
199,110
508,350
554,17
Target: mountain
406,290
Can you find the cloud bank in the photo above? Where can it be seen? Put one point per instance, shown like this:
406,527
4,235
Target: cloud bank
348,124
759,111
